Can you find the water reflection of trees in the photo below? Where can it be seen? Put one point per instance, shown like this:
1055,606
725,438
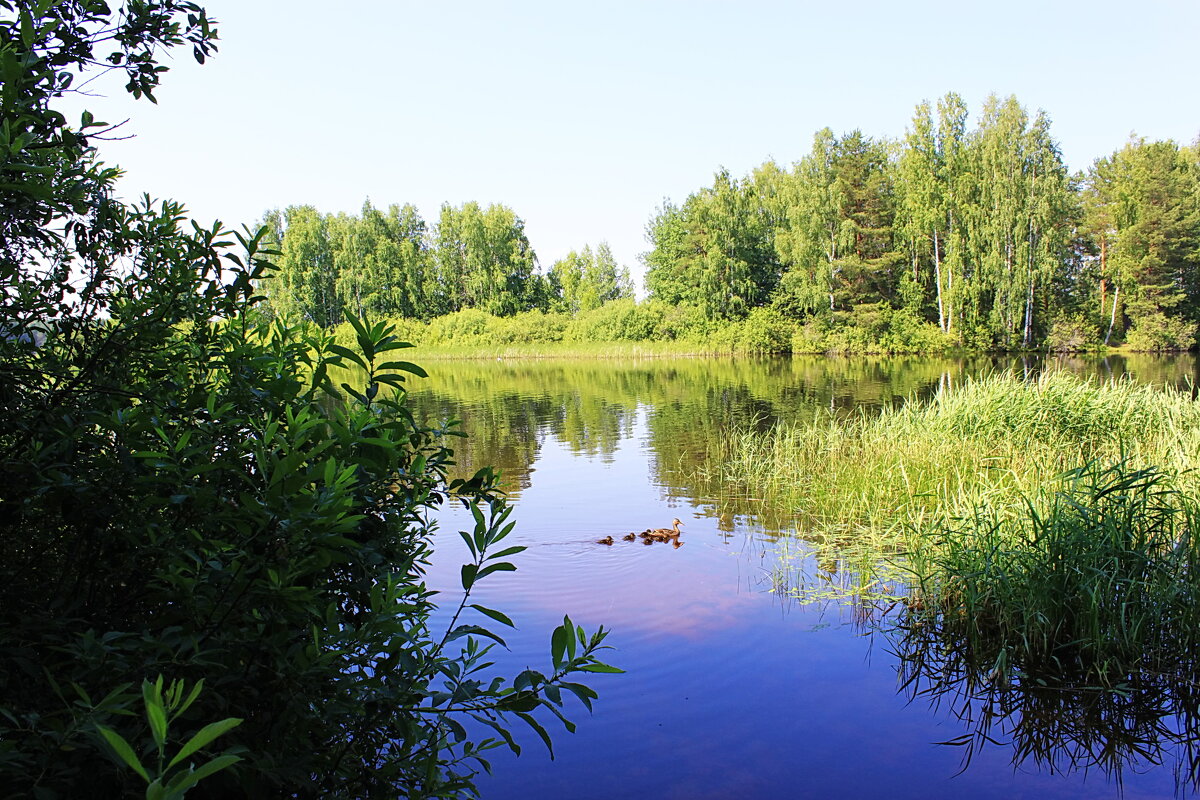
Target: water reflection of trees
1055,722
590,406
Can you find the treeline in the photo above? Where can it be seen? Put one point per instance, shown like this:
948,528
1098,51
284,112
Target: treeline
949,237
982,233
393,264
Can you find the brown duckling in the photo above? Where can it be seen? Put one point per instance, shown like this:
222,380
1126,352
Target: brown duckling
605,540
629,537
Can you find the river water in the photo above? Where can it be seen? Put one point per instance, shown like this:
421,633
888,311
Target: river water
732,688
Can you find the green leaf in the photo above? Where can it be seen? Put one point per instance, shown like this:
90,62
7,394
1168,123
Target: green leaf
585,693
123,750
346,352
158,724
181,783
494,614
598,667
403,366
520,702
155,713
468,576
203,737
558,645
500,729
499,566
474,630
533,723
508,551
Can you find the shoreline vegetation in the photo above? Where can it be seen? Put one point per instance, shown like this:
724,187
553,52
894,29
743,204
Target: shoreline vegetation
625,329
949,238
1025,533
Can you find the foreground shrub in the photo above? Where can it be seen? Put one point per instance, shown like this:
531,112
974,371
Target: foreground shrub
185,493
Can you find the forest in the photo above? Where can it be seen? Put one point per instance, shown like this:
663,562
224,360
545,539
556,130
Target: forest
951,237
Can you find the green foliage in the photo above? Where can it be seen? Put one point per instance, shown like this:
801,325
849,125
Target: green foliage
763,331
184,490
620,320
1073,333
980,232
161,710
1143,212
874,328
1155,331
588,280
483,261
714,252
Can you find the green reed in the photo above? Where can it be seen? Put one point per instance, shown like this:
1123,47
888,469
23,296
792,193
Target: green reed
988,441
1023,561
1093,581
1030,552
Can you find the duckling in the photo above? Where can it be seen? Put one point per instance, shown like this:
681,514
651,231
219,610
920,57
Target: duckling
629,537
605,540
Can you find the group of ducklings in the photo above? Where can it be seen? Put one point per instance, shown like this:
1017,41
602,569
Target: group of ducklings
651,535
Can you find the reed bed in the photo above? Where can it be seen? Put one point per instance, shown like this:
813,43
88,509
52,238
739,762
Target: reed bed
1029,550
1094,581
1020,565
985,443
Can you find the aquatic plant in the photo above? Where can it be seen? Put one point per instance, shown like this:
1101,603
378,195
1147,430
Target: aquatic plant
989,440
1068,627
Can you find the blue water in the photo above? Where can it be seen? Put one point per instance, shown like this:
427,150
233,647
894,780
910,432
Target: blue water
731,689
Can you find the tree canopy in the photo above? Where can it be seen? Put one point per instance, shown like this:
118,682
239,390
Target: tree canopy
981,232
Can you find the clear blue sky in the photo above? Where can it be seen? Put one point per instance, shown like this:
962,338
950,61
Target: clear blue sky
582,117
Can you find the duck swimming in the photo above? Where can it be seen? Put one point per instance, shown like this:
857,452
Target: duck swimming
663,533
605,540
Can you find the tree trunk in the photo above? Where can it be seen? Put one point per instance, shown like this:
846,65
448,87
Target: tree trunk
937,273
1029,316
1113,319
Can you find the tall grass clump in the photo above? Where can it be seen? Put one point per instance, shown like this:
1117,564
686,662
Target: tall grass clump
1093,581
990,440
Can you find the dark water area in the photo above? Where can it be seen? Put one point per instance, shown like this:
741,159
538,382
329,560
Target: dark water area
732,689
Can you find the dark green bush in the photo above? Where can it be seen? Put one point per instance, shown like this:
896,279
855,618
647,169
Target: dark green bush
185,493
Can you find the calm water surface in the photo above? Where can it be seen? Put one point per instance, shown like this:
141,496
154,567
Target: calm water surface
732,689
